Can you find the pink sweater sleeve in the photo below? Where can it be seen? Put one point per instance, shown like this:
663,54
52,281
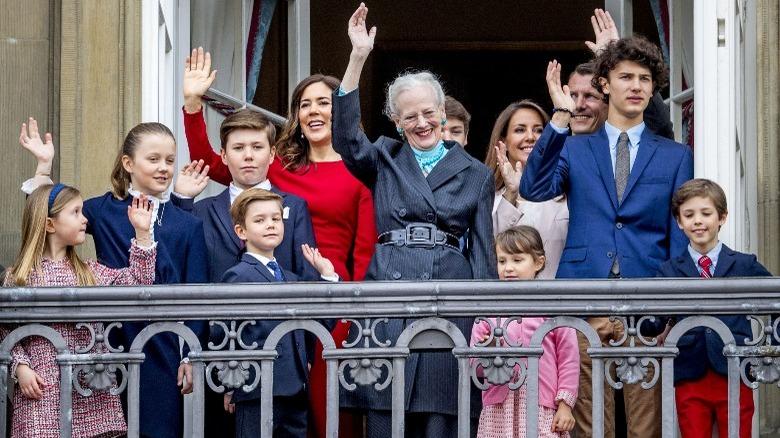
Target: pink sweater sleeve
140,269
568,354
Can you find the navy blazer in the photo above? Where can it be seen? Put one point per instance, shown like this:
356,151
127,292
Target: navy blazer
641,230
291,370
181,258
701,342
223,245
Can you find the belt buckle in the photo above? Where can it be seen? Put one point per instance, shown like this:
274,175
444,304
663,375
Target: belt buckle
420,235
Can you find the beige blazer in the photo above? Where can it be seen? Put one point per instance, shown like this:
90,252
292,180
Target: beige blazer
551,219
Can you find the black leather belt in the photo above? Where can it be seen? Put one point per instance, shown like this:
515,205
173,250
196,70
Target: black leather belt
419,235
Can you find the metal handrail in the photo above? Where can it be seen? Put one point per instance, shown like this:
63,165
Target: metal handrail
429,308
276,119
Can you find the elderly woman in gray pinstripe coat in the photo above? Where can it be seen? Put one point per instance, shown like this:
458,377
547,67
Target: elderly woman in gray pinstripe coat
427,193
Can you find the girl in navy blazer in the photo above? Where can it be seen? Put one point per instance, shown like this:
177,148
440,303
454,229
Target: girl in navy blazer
144,166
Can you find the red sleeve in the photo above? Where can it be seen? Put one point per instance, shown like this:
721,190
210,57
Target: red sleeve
200,148
365,237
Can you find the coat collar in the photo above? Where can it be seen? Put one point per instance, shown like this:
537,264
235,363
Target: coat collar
408,165
726,260
221,209
450,165
259,267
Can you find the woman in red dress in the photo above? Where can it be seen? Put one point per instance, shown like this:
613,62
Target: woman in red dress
341,207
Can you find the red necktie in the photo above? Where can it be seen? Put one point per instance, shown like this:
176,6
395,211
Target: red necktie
705,263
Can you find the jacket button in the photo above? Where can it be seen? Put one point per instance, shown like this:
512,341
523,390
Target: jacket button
396,275
619,225
609,255
430,217
425,276
402,212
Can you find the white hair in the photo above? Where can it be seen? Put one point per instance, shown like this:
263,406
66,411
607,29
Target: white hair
407,81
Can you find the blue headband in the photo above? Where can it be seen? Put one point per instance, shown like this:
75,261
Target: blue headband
53,195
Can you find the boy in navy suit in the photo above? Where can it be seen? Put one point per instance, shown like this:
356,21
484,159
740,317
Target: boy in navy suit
700,370
257,215
247,148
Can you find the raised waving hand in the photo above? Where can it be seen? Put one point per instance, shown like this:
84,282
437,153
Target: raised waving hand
560,95
197,79
362,40
604,29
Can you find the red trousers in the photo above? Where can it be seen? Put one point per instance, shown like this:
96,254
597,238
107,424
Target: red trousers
699,401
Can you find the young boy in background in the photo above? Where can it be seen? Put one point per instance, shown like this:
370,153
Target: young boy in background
700,370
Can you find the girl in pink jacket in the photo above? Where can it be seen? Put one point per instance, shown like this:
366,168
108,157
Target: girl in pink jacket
521,257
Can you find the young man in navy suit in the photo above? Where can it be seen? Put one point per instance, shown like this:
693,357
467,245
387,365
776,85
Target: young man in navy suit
700,370
619,227
257,215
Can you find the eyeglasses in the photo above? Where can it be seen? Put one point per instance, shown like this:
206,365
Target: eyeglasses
430,115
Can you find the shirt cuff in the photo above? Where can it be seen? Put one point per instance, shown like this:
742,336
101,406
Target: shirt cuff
333,279
341,92
559,130
29,186
144,248
180,196
568,397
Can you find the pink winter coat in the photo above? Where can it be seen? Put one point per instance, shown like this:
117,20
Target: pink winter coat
559,366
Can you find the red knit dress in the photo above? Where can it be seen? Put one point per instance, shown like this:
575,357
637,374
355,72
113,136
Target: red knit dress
99,415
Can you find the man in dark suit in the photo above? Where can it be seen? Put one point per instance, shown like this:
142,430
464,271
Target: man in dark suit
619,180
257,215
700,370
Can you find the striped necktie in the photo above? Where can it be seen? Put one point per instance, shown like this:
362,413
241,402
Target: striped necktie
705,263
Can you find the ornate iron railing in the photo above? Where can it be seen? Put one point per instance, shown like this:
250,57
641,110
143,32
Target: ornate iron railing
367,305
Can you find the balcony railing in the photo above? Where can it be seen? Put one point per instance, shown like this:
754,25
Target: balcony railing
428,305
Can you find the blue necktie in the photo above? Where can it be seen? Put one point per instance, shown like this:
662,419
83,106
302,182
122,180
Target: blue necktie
277,270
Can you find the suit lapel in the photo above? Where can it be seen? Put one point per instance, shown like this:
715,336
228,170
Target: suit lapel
726,259
599,146
259,267
450,165
221,209
685,265
647,146
414,177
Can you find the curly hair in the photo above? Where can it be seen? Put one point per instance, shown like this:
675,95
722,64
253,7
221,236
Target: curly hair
292,147
637,49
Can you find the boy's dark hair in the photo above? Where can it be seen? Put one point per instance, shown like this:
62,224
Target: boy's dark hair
453,108
699,187
246,119
521,239
241,205
635,48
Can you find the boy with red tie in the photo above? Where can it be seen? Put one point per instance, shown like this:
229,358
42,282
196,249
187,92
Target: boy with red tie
700,370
